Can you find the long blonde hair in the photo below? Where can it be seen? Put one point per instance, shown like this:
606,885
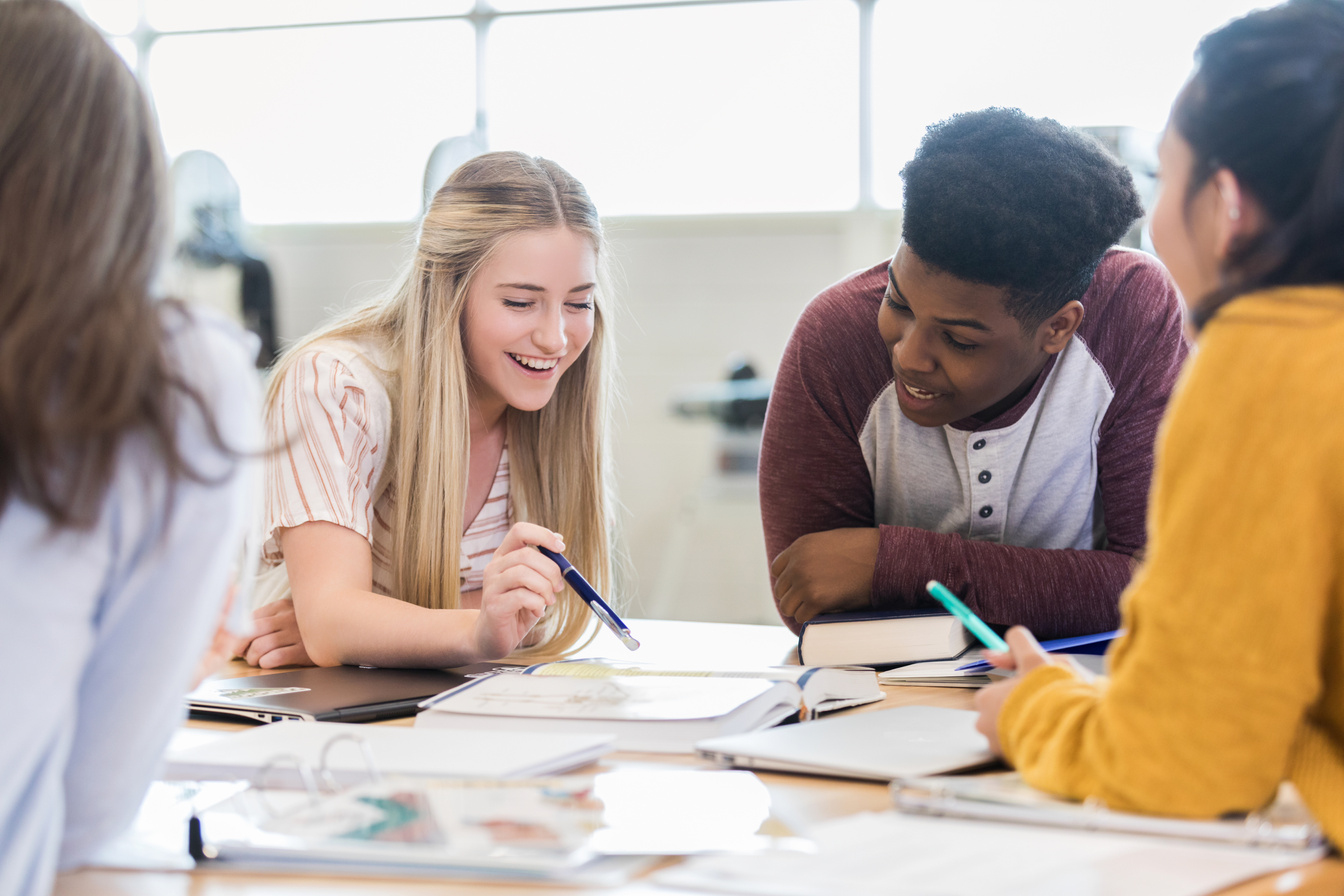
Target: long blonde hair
558,467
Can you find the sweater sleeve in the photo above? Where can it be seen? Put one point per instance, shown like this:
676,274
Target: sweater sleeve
1209,689
1054,592
813,476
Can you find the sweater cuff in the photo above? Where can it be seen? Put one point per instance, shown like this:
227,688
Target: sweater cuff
1017,709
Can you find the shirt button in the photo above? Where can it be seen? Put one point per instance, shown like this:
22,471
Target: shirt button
986,511
984,476
979,443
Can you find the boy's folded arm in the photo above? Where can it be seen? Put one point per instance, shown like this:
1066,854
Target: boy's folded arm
1054,592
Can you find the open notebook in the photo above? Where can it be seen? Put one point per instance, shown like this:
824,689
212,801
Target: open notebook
879,745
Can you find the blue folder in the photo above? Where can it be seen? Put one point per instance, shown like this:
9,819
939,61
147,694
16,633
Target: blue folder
1095,644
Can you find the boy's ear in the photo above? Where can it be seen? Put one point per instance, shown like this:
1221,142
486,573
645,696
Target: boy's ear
1054,332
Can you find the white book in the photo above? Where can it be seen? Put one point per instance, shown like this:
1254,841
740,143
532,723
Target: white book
650,713
822,689
282,753
879,745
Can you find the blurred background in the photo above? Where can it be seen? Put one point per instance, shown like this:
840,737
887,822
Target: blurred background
744,154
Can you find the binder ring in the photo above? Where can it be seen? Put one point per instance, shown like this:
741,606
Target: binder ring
370,762
305,776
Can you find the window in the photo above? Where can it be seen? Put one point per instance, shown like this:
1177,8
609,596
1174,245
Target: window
660,107
319,124
743,108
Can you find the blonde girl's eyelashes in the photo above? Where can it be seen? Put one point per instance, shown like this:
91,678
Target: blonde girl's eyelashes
585,305
517,303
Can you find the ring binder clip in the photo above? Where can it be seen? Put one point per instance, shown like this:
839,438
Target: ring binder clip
305,775
370,762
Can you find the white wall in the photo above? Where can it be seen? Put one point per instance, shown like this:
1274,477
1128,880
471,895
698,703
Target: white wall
693,291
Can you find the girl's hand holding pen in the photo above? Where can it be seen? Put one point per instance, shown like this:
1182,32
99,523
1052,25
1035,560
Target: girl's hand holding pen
1024,654
519,585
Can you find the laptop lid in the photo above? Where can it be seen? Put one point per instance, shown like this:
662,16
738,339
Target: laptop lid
876,745
328,694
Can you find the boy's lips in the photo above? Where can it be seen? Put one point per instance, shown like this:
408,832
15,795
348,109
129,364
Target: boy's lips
917,392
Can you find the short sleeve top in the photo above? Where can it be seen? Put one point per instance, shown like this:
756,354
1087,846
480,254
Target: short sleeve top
332,421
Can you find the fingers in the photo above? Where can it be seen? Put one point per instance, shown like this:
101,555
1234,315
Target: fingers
274,608
1025,652
524,568
293,655
521,535
265,644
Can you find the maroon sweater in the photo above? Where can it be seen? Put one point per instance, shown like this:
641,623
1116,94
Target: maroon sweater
1071,462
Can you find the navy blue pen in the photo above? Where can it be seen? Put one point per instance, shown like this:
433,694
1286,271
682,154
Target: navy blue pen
593,599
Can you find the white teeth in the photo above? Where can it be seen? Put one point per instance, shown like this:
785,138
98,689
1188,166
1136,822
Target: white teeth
535,363
919,393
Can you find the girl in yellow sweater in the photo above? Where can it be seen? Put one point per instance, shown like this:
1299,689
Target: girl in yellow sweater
1231,677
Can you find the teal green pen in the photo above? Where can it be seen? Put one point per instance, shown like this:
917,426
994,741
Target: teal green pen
970,620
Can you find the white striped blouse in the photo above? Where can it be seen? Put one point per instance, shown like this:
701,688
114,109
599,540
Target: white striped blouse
333,421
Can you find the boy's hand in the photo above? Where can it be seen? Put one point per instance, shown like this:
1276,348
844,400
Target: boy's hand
825,572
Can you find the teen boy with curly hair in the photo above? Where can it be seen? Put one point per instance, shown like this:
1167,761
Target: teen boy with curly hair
980,409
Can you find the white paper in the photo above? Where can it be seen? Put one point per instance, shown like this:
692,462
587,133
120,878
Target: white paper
878,854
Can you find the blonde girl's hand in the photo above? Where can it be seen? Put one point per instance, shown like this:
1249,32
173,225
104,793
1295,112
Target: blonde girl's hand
276,640
520,583
1024,654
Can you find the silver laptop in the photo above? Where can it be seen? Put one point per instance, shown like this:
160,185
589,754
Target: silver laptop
328,694
878,745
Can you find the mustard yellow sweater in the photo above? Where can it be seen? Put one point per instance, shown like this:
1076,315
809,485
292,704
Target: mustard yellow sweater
1231,676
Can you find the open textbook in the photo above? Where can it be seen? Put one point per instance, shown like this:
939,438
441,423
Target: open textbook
646,708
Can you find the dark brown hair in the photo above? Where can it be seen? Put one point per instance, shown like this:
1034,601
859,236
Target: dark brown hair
83,220
1266,102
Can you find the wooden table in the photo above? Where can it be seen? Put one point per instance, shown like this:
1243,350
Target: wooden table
665,643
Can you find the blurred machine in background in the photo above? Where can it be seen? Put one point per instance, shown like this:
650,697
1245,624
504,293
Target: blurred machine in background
718,526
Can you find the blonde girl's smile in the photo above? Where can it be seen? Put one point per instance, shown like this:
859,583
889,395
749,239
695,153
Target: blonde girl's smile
530,315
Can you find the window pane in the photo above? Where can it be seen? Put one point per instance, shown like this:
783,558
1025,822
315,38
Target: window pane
319,124
528,5
686,110
113,16
932,60
175,15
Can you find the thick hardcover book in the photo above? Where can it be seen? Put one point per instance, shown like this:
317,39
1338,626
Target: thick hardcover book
888,638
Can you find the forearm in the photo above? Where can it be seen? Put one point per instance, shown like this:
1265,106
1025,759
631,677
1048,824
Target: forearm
1055,593
355,627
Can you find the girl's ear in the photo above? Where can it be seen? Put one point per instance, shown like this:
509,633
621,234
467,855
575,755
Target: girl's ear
1237,213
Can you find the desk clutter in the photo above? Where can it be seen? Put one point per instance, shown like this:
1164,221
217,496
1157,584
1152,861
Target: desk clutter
604,774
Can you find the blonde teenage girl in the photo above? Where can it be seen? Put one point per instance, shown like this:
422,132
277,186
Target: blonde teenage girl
431,439
1231,677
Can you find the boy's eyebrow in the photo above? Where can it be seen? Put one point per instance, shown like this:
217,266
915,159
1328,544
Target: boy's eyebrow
968,322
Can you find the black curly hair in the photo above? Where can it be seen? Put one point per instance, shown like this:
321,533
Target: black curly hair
1021,203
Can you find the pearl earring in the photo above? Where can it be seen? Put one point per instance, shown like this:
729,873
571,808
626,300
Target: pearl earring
1234,213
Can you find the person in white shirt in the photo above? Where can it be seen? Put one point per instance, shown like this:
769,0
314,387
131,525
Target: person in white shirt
126,427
